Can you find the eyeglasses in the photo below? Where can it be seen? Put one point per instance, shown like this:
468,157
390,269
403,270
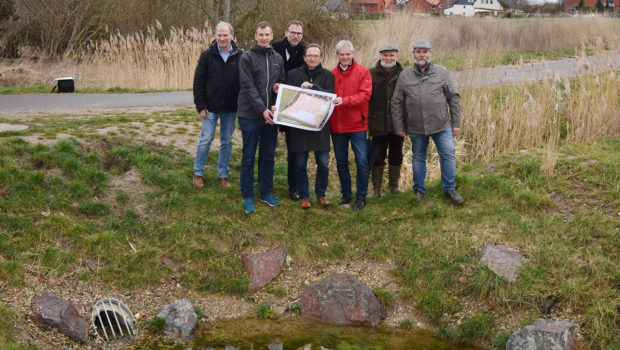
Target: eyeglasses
297,33
313,56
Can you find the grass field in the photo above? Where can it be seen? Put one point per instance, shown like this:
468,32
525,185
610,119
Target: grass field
61,205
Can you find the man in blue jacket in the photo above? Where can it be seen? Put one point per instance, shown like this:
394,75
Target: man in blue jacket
261,70
216,87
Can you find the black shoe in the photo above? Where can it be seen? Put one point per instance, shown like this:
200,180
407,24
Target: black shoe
344,200
454,197
359,203
293,195
419,194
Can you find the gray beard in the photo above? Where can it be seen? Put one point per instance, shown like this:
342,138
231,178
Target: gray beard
422,63
391,65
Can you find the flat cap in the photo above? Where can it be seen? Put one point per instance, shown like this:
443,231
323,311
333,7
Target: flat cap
422,44
388,47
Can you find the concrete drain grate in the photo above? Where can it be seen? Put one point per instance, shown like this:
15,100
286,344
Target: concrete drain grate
113,321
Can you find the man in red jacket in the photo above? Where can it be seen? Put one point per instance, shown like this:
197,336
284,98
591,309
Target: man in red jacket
349,122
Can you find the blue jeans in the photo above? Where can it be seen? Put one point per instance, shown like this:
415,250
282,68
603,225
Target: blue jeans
444,141
341,151
227,127
301,173
257,134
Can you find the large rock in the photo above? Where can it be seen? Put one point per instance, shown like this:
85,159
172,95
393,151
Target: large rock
341,299
263,268
543,334
181,319
503,261
62,314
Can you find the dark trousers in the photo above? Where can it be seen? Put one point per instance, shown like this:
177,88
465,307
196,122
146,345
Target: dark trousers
392,142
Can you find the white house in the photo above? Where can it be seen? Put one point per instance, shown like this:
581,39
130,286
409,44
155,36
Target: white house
470,8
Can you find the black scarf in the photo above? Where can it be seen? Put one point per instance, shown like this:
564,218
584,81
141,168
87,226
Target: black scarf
312,73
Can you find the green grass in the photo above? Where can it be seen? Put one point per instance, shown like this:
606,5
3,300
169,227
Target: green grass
8,339
42,89
572,245
264,311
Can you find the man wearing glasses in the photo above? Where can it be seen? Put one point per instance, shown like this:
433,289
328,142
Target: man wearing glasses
292,51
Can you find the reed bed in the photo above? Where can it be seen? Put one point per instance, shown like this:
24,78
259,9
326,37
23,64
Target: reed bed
468,42
151,60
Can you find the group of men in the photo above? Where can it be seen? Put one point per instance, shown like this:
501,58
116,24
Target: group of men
385,101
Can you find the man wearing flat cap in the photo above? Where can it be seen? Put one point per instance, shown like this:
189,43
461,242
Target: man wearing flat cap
384,76
426,104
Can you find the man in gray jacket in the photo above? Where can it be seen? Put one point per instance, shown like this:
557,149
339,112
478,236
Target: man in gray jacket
428,100
261,70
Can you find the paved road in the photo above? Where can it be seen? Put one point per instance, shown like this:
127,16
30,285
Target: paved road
493,76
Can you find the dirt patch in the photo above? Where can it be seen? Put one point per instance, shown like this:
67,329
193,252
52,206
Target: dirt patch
12,127
130,183
145,302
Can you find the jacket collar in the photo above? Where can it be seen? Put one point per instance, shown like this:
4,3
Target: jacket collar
233,46
348,68
262,50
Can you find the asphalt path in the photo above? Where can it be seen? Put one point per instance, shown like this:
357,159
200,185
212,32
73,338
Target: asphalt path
492,76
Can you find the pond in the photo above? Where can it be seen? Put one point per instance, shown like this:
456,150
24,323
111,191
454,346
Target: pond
301,334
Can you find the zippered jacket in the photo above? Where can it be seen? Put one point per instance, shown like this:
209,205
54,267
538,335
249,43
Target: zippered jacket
425,104
354,85
260,68
383,84
216,83
301,140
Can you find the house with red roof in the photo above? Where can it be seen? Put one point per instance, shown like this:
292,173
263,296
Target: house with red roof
571,6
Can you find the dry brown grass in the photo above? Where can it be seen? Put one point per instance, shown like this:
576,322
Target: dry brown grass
151,60
471,39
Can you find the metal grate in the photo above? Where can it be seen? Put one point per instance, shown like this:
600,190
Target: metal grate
113,321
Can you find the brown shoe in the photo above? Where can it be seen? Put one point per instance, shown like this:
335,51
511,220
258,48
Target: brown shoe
323,202
305,204
224,182
199,182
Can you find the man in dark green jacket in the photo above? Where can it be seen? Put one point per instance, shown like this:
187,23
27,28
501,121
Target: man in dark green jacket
384,76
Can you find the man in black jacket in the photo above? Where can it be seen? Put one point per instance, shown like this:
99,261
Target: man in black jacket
384,77
261,70
216,87
292,51
313,76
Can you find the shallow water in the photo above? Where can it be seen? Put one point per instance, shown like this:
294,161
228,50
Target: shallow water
300,334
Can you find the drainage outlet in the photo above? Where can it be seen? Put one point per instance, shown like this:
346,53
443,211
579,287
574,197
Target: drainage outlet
113,321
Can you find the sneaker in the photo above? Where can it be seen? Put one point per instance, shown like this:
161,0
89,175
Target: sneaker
270,199
293,195
199,181
305,204
322,201
359,203
248,204
344,200
419,194
454,197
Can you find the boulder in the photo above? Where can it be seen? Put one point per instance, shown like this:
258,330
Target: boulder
263,268
181,319
61,314
544,334
503,261
341,299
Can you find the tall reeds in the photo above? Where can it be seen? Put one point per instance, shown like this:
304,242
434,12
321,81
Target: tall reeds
151,60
